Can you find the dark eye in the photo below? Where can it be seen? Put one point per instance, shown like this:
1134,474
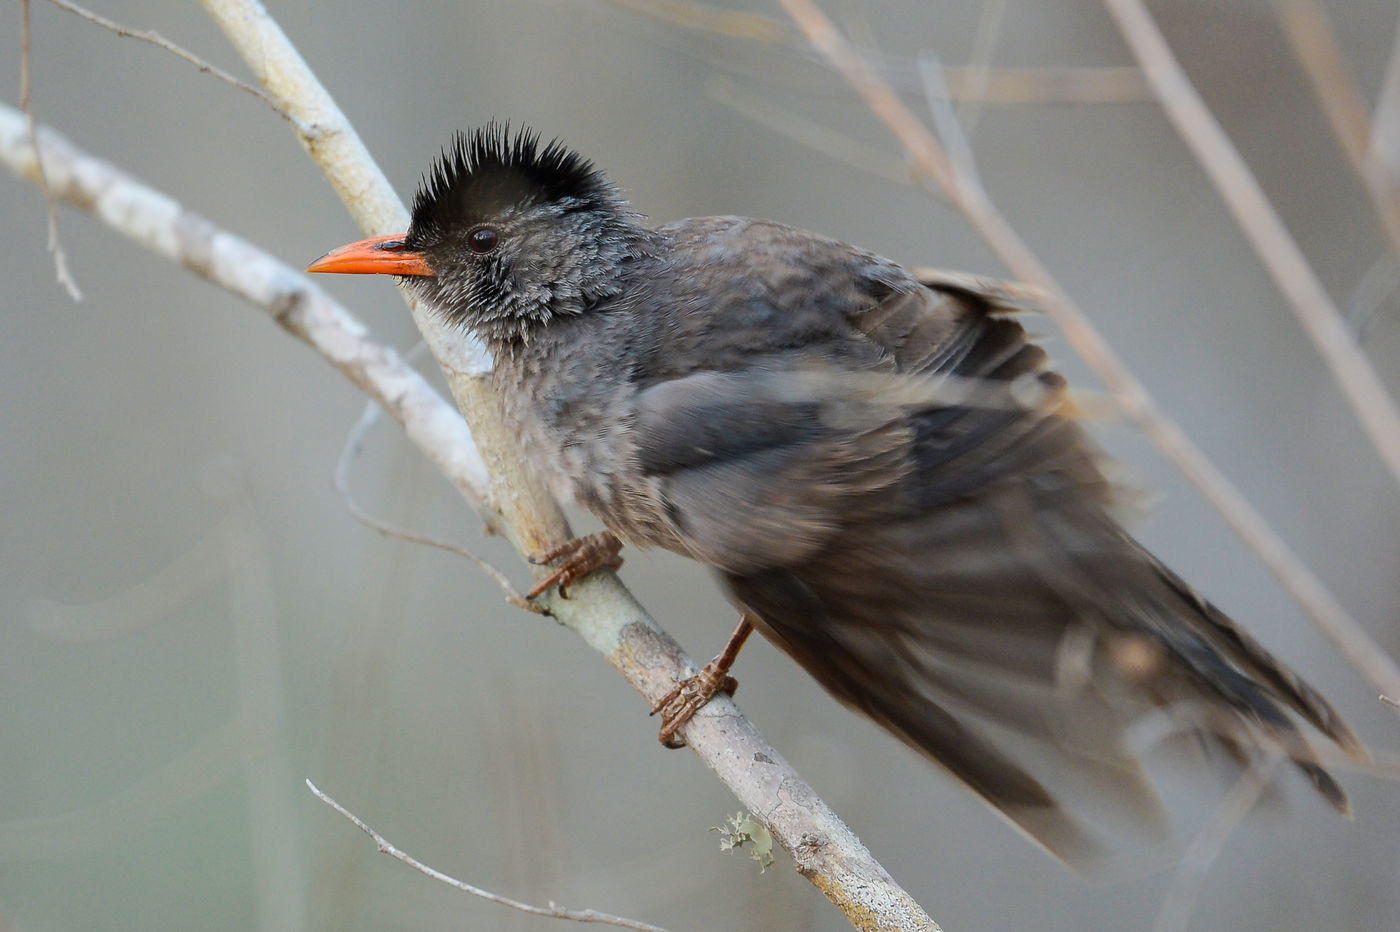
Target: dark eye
482,240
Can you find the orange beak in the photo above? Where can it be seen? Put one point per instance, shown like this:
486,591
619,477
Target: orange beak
379,255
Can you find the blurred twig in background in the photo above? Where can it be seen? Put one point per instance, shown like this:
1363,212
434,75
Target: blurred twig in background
1276,248
975,203
1309,30
974,84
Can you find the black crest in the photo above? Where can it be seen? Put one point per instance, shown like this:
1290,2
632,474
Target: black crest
490,169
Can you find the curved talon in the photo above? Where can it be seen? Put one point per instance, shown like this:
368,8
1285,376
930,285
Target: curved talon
690,696
581,556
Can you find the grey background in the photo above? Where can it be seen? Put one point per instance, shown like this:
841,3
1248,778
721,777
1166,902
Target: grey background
190,622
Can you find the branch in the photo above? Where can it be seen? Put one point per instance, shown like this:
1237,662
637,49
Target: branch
1384,143
1132,397
551,911
824,849
600,609
60,257
1180,901
1314,42
368,419
983,85
160,41
158,223
1265,231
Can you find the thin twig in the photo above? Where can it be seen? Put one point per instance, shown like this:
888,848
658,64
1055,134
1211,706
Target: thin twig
1314,42
1275,247
848,150
342,486
1372,291
979,64
26,104
1038,87
1130,394
551,911
973,84
1180,901
947,121
1384,145
156,39
706,17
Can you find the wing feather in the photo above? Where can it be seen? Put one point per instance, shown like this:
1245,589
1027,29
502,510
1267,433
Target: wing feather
925,529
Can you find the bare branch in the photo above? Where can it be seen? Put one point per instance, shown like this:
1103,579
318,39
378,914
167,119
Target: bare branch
976,84
342,486
26,104
1041,86
847,150
551,911
289,297
1265,231
1180,901
1384,144
156,39
947,121
599,608
1314,42
1372,291
979,64
706,17
1132,397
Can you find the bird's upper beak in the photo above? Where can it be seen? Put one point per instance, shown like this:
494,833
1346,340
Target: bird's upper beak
378,255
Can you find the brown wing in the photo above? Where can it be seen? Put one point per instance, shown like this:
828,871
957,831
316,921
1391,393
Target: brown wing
927,534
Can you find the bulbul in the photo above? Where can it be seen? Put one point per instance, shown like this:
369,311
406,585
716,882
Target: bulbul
878,466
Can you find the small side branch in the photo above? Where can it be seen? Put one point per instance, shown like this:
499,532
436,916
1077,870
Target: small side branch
26,104
551,911
159,41
342,487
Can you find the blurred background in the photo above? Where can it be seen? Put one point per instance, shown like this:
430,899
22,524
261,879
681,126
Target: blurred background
191,622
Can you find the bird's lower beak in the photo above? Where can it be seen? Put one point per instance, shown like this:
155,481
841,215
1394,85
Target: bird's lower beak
379,255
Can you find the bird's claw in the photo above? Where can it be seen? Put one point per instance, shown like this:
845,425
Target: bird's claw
580,556
690,695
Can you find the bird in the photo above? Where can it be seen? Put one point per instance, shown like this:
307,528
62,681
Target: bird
878,465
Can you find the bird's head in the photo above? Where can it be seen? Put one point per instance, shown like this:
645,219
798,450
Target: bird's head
506,234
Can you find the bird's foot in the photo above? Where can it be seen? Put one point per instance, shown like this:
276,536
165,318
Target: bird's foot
580,556
690,696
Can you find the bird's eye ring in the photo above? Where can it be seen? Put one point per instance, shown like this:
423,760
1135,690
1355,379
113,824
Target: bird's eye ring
482,240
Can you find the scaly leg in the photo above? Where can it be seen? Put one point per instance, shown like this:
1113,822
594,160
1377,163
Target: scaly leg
690,695
582,555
